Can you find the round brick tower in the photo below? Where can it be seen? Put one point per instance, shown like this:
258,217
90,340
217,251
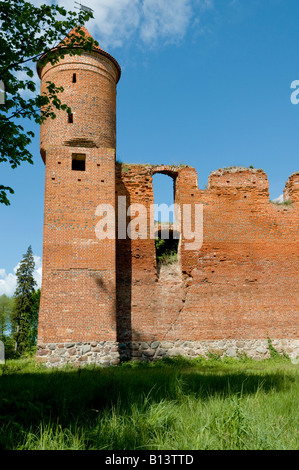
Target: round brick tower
77,319
89,83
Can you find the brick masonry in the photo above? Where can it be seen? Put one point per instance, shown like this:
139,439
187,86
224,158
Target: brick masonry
78,286
239,288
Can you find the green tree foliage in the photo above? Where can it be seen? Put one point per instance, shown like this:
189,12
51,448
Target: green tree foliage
27,34
6,305
23,315
166,250
34,318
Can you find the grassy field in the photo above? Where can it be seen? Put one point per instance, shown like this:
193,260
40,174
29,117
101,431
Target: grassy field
174,404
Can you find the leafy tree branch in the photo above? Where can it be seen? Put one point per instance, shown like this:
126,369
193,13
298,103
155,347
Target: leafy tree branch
31,34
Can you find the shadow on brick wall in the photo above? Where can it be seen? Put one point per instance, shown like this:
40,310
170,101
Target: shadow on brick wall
123,271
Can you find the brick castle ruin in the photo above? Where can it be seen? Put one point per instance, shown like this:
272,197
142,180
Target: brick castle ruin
104,300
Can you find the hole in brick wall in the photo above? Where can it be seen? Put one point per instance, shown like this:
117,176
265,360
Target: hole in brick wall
166,239
166,248
59,163
53,179
70,118
78,161
163,186
74,78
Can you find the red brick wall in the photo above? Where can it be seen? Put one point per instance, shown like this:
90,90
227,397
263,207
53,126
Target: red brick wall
78,286
92,100
291,191
242,283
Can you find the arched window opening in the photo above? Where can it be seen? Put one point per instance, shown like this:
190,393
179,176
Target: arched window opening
166,236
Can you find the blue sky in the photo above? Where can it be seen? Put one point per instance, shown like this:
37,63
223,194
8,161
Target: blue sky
204,82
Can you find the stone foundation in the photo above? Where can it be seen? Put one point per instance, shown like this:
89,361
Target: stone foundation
255,349
103,353
107,353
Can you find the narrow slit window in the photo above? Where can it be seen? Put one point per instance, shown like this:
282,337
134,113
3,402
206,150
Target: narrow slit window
78,161
71,118
74,77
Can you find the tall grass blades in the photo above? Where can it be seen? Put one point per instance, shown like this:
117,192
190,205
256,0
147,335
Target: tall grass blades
175,404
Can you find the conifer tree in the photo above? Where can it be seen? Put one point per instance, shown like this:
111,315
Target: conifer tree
34,318
23,303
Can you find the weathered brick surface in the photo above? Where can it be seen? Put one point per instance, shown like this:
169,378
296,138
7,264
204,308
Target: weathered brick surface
242,283
291,191
240,286
78,286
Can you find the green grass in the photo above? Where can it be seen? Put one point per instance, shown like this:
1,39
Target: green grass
284,203
174,404
166,251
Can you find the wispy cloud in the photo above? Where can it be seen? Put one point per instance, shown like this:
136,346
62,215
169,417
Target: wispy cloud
8,281
279,199
167,20
150,22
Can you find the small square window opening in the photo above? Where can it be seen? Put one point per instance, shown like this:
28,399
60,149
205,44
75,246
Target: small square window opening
78,161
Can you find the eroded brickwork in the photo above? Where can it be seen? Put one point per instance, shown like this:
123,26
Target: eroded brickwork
103,300
242,283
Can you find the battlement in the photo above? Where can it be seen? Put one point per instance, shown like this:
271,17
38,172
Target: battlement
291,190
239,178
232,181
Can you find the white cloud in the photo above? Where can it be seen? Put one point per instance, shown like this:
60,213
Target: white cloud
167,19
38,270
147,21
116,21
279,199
8,282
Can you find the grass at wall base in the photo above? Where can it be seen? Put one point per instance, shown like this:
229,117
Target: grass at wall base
172,404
